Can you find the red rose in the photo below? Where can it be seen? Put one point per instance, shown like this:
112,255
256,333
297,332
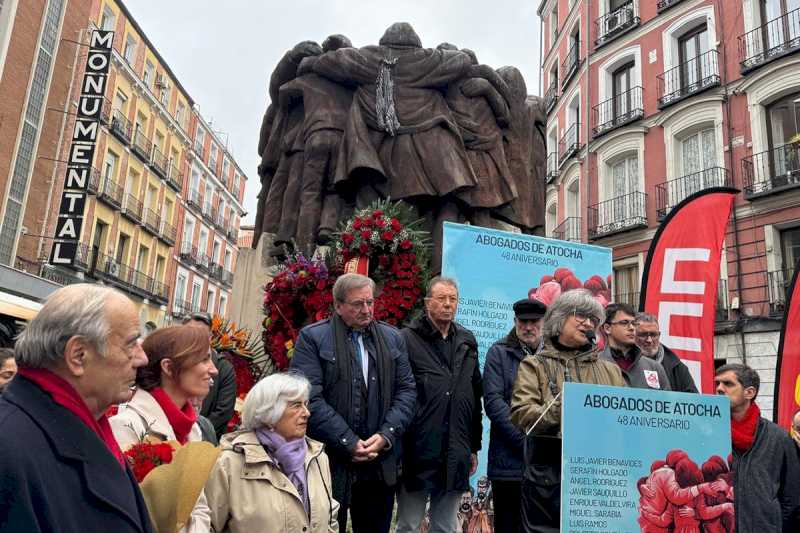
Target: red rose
406,244
364,248
347,239
380,223
396,226
383,260
377,214
366,222
366,234
357,223
387,236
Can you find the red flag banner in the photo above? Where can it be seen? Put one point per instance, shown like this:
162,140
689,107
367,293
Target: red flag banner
679,282
787,379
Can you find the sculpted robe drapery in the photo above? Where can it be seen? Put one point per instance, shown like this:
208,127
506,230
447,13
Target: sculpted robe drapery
426,156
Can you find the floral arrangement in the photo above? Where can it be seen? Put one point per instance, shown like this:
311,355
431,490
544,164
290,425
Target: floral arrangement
245,353
563,280
145,456
387,236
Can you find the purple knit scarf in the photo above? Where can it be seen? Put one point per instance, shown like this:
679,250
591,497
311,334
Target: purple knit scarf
290,456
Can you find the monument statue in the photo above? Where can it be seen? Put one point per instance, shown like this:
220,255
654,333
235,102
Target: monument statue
455,139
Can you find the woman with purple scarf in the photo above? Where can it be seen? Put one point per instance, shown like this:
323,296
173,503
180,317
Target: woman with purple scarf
270,476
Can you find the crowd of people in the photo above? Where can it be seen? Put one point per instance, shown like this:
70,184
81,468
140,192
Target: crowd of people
370,423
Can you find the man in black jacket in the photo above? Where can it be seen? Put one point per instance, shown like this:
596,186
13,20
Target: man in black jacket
219,405
442,442
766,473
648,337
62,469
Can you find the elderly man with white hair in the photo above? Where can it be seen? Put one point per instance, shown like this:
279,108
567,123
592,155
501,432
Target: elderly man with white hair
270,476
62,469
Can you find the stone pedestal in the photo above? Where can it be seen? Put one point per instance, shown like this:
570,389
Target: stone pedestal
253,271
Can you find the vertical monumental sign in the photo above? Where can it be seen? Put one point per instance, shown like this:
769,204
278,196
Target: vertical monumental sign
81,152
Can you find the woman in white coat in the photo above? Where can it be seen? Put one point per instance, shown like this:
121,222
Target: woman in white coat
179,368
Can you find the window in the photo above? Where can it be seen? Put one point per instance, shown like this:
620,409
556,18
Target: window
698,153
199,141
227,263
790,248
783,120
212,158
141,259
573,204
180,289
122,247
99,240
225,169
554,25
108,21
164,97
626,285
119,102
159,273
695,67
210,297
203,244
188,234
130,50
179,114
223,304
149,71
778,29
110,166
550,219
624,176
196,288
215,252
622,83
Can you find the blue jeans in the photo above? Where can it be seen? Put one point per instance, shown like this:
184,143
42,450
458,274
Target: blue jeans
443,510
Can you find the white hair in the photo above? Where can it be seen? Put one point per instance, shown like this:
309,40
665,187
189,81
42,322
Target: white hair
73,311
267,400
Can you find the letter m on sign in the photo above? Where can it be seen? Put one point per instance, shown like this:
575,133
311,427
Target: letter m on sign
679,282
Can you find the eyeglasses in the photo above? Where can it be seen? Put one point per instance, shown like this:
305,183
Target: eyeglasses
648,335
583,319
358,304
625,323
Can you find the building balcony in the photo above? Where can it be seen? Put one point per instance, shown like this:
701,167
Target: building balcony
132,208
550,97
141,146
159,163
194,200
121,127
181,308
571,63
227,278
111,193
618,111
617,22
663,5
569,144
188,254
671,193
152,221
203,262
160,292
116,272
618,214
174,178
552,167
208,211
778,286
688,78
215,271
93,185
219,221
569,230
232,233
630,298
771,172
167,232
105,112
775,39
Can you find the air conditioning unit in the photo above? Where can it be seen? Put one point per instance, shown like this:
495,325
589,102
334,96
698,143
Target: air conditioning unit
112,267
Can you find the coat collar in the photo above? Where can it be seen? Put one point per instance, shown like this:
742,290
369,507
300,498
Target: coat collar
71,439
246,442
144,405
608,356
425,329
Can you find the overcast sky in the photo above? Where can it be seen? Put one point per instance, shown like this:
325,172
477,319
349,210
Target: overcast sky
224,51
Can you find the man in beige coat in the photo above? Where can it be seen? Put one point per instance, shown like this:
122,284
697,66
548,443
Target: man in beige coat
569,354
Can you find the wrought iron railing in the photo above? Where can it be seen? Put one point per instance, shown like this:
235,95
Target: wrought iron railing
552,166
93,184
671,193
132,208
227,278
617,111
618,214
688,78
159,162
778,285
215,270
152,220
167,232
772,171
121,127
194,199
111,193
661,5
233,233
571,62
188,253
203,261
174,178
181,308
569,230
570,143
617,22
141,145
776,38
550,95
630,298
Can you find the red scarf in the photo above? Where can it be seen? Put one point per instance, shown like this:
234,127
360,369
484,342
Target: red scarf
181,420
67,397
744,431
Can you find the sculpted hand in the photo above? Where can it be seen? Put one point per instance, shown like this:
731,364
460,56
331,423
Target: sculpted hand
686,512
719,486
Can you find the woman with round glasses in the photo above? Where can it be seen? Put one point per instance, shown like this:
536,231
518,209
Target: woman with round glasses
569,354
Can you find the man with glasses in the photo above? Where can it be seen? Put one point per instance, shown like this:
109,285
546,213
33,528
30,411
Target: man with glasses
441,449
648,338
362,401
620,330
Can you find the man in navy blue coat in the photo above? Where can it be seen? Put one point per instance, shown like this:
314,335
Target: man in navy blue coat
506,441
60,468
362,401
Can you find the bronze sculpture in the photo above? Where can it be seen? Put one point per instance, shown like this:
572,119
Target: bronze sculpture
429,126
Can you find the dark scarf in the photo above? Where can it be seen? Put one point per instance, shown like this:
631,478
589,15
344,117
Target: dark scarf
181,420
743,432
383,360
67,397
